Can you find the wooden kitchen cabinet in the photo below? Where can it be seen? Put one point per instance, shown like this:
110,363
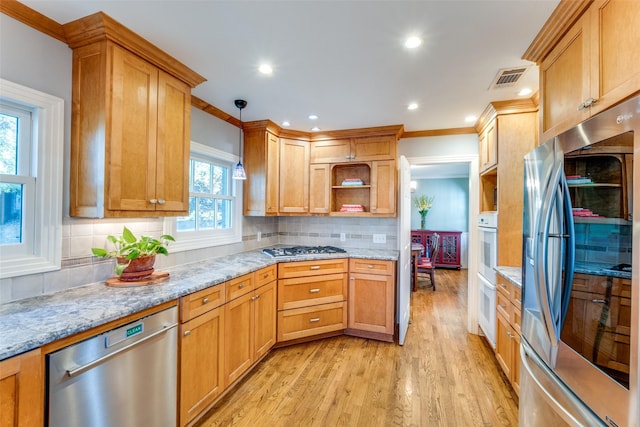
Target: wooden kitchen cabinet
22,388
201,362
383,187
508,313
595,65
371,299
376,195
130,125
294,177
488,147
319,188
262,164
312,298
357,149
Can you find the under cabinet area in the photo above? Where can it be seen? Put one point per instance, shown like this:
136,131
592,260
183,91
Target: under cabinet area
312,298
371,299
22,390
130,124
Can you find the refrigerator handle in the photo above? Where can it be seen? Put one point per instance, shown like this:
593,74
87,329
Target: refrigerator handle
542,247
569,261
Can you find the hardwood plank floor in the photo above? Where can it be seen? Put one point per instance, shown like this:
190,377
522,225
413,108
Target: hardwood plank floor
441,376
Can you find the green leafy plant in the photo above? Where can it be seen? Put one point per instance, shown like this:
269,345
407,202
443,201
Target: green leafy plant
423,203
129,247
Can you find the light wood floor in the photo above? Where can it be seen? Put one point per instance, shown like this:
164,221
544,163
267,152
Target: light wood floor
442,376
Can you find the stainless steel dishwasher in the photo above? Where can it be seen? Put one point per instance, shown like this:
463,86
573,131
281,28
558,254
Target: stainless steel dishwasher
123,377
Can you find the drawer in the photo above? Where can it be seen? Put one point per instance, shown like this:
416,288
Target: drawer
266,275
200,302
306,291
516,319
516,295
503,286
371,266
239,286
503,305
309,321
312,268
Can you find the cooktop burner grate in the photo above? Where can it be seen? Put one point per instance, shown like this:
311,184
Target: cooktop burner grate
302,250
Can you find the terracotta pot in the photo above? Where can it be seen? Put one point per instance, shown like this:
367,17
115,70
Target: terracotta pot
138,269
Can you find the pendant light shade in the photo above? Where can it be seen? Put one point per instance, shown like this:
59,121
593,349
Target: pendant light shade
238,172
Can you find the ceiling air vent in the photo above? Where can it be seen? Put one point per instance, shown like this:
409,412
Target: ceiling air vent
507,77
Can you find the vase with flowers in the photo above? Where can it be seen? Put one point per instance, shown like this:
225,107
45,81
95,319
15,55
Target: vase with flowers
423,203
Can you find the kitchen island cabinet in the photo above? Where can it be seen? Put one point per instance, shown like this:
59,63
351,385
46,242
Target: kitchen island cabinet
130,125
22,390
371,299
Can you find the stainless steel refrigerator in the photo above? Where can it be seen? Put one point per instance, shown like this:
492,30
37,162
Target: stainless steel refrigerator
579,346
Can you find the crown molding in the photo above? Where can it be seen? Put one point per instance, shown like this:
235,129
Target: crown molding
32,18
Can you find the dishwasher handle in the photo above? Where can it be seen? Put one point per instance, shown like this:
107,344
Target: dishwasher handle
79,370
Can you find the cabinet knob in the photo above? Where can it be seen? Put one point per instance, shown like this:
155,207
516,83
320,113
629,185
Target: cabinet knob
205,300
241,285
509,334
265,275
186,333
369,266
153,201
161,201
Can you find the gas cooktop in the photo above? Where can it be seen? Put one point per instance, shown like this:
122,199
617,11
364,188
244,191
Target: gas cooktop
302,250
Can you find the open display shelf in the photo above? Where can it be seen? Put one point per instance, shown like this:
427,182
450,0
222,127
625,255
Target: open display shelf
353,195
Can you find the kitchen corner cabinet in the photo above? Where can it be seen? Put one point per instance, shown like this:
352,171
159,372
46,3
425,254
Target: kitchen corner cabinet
371,299
201,347
312,298
508,315
262,164
294,177
22,390
595,65
130,124
250,316
376,193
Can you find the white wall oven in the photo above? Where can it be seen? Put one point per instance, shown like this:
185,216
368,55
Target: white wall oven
488,251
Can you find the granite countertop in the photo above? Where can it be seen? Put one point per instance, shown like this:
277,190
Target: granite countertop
30,323
513,274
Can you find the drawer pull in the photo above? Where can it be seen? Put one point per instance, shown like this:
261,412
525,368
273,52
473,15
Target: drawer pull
509,334
599,301
314,267
314,320
255,297
265,275
369,266
186,333
241,285
314,291
205,300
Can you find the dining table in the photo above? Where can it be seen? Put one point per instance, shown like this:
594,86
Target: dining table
416,250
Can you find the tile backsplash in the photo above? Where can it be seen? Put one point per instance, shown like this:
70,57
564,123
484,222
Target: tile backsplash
80,235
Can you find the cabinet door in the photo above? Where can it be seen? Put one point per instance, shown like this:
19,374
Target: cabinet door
272,174
319,188
615,51
131,145
504,345
564,81
331,151
515,365
374,148
173,144
371,303
383,187
294,176
488,147
265,319
201,363
22,390
239,337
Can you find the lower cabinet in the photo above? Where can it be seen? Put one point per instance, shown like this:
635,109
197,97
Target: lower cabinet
371,299
22,390
312,298
508,330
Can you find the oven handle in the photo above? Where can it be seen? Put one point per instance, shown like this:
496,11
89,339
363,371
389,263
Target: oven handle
81,369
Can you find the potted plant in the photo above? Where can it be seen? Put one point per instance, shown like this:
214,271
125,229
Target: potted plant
424,204
134,256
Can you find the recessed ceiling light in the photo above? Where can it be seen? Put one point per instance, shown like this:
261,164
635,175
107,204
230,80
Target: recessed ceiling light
286,123
412,106
265,69
313,116
525,91
315,129
470,119
412,42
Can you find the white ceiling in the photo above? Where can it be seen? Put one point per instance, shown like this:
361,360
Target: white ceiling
342,60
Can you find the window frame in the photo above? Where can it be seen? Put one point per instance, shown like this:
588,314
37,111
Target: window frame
188,240
47,166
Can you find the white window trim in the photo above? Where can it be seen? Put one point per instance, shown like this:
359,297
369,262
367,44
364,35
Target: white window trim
203,239
48,125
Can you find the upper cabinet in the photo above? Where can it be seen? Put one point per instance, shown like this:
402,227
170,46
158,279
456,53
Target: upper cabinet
354,149
130,124
294,177
488,147
592,66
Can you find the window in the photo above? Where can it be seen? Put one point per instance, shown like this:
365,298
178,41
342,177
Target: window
31,150
214,208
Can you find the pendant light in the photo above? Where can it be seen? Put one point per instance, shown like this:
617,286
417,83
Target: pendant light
238,172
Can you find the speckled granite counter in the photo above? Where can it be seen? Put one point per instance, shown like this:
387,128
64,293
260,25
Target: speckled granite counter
513,274
30,323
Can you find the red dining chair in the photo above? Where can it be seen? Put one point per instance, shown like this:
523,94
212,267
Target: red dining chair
426,265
